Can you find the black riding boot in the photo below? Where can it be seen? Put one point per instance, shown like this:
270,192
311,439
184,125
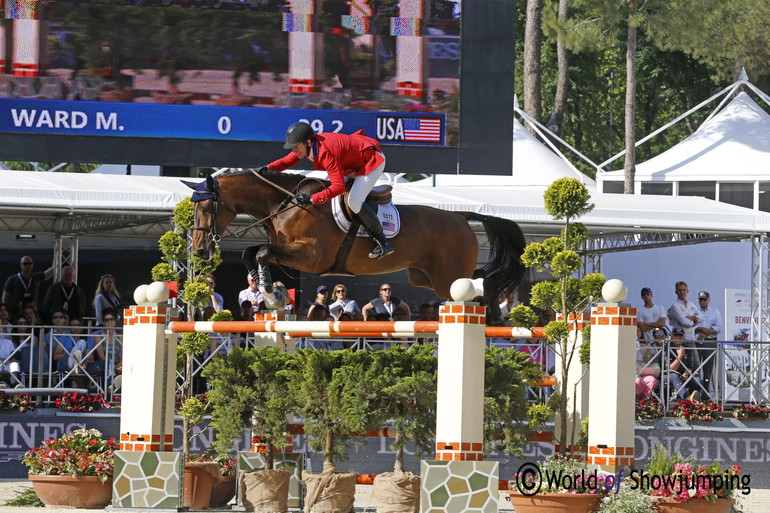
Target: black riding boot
381,246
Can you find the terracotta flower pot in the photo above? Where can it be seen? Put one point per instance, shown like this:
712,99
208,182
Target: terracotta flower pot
223,492
670,505
555,502
73,492
198,483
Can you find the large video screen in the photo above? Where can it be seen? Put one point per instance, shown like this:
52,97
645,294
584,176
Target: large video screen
198,78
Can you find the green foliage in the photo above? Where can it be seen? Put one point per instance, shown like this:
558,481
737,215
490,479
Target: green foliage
401,391
556,331
203,268
591,285
577,234
662,461
197,292
193,408
567,198
164,272
173,247
545,294
506,374
184,215
523,316
249,386
627,500
222,315
585,347
539,414
193,343
47,166
565,263
333,394
25,497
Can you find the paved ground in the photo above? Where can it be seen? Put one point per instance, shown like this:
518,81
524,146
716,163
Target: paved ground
758,501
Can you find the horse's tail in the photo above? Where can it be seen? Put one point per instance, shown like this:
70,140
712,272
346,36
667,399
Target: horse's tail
507,242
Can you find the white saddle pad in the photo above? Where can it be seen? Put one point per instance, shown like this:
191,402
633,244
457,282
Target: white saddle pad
387,214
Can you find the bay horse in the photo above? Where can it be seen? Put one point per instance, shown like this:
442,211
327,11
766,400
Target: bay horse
436,247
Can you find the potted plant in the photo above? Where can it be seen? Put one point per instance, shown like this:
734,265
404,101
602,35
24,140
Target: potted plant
329,384
568,295
402,392
21,402
705,411
74,470
628,499
685,486
248,388
557,486
223,492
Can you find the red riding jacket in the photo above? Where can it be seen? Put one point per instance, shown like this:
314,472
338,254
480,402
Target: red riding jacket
339,155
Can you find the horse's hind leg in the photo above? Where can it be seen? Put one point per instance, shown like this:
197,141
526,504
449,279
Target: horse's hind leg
419,278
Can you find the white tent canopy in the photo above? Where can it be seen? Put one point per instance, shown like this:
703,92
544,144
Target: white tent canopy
734,144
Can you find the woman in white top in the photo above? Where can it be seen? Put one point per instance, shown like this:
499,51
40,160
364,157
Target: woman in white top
106,297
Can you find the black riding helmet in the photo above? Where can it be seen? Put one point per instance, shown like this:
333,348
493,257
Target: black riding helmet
297,133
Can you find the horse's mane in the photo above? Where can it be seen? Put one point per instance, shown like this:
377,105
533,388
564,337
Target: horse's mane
286,180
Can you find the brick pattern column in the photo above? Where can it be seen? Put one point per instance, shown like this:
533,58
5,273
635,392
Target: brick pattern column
258,444
306,61
613,369
149,372
575,375
460,402
411,50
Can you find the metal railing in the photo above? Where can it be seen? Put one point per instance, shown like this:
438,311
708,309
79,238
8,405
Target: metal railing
740,371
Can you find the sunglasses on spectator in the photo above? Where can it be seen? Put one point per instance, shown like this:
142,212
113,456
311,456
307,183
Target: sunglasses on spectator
383,289
338,291
58,317
26,263
22,323
75,324
108,319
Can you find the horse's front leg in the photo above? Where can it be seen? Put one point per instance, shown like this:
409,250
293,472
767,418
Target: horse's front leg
264,279
249,259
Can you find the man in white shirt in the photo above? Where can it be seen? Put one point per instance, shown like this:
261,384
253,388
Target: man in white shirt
252,294
707,329
650,316
684,314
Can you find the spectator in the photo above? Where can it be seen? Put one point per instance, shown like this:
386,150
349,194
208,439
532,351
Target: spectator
707,329
683,314
24,284
215,301
681,363
65,295
66,352
32,361
342,304
385,304
426,312
650,315
106,297
93,366
647,370
319,305
252,294
247,313
508,304
10,370
109,346
5,319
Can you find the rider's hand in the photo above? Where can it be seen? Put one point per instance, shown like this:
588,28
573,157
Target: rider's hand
262,169
303,199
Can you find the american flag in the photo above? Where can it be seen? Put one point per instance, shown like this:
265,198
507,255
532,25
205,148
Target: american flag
422,129
388,226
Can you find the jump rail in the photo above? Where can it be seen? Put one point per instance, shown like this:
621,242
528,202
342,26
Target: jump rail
320,329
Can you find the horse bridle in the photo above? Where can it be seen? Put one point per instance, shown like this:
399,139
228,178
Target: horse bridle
213,228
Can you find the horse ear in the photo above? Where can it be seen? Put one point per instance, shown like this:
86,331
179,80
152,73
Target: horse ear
210,183
191,185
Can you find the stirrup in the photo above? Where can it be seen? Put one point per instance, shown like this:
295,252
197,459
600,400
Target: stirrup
381,250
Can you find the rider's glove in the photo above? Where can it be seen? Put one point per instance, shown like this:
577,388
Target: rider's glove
262,169
303,199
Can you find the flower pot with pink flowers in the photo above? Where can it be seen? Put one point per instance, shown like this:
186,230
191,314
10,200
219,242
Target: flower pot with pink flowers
74,470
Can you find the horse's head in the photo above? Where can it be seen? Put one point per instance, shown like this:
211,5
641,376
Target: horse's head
212,216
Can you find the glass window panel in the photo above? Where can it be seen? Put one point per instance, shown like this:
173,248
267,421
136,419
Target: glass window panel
705,189
660,188
764,196
740,194
612,187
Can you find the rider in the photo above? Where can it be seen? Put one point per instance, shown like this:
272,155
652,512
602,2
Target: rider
340,155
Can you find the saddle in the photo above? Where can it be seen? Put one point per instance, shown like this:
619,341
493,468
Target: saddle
380,195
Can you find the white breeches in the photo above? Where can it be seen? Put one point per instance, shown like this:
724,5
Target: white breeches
362,186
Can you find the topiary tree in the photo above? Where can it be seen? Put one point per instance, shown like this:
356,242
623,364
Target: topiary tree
331,404
401,391
194,294
248,388
508,418
568,294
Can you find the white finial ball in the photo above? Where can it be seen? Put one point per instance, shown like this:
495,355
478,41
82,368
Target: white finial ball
614,291
462,290
140,294
157,292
